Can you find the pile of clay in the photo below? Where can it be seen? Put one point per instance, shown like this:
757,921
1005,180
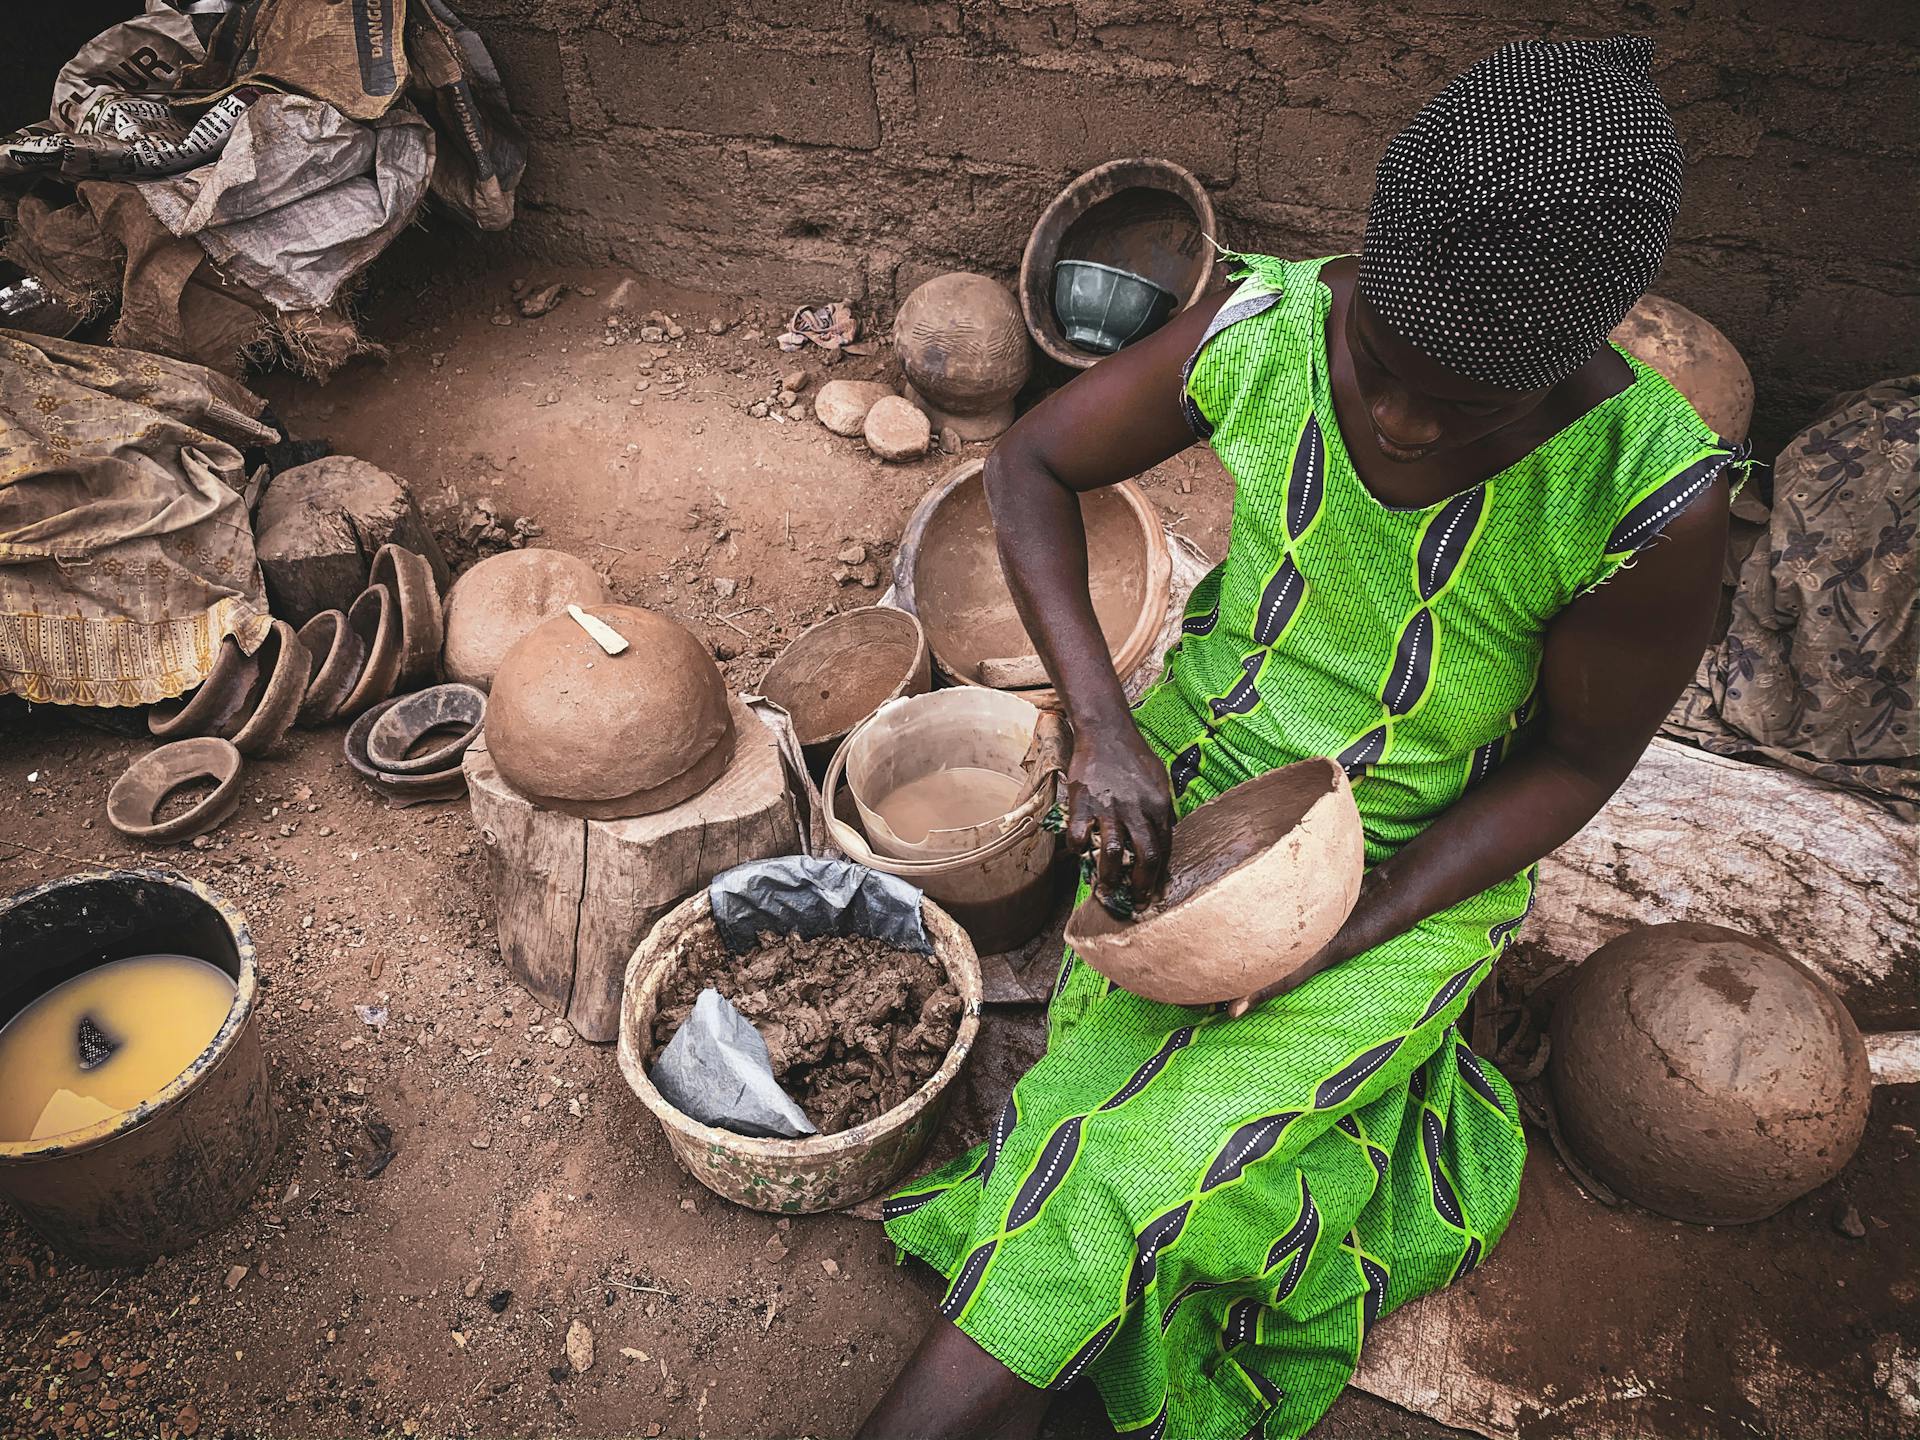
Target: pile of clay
852,1025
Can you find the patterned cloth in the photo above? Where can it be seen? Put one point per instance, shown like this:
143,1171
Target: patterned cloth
1521,213
1816,672
1206,1215
126,555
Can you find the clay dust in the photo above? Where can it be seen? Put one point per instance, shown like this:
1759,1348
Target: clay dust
853,1026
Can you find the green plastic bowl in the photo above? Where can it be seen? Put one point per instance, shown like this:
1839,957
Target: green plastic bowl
1103,308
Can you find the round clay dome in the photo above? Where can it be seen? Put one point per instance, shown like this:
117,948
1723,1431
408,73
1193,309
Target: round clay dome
1696,359
499,600
1705,1074
605,736
963,345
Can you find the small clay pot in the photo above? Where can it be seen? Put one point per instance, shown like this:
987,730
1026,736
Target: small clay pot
375,618
283,668
137,795
355,744
217,707
422,626
1259,879
963,346
390,740
404,790
335,655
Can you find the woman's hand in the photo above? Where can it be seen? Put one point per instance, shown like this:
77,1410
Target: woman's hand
1120,809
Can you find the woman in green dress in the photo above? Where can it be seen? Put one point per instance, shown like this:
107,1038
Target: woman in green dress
1441,573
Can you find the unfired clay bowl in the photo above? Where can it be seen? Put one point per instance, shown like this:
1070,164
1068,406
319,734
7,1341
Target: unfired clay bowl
375,618
458,709
283,668
840,671
1706,1074
335,654
496,602
217,706
410,579
602,736
137,795
355,744
1260,878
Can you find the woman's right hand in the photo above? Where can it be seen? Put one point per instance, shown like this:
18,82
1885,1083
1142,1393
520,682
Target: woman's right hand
1120,809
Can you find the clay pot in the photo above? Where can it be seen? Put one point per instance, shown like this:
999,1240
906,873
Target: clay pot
840,671
500,599
605,736
1260,878
375,618
458,709
137,795
335,653
355,743
283,666
947,574
217,706
1706,1074
1149,218
963,346
1696,358
399,790
410,579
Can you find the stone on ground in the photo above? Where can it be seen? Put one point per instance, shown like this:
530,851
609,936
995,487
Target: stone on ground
319,525
842,405
898,429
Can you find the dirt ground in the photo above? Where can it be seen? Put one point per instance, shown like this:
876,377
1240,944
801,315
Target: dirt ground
527,1189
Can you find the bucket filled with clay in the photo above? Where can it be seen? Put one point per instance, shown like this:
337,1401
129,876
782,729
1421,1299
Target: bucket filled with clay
951,789
135,1115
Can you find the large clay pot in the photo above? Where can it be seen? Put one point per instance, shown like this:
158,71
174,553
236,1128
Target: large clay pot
963,347
1706,1074
496,602
605,736
1147,217
1700,362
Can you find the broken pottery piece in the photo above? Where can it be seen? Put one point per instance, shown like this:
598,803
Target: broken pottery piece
335,654
963,345
1260,878
458,710
217,706
136,797
605,736
282,666
375,618
409,577
1706,1074
496,602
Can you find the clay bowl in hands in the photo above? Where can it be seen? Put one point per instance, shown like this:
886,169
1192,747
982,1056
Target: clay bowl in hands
375,618
219,704
283,668
1260,879
136,797
335,655
409,577
458,710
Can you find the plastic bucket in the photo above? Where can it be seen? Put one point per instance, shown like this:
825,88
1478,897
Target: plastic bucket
185,1162
1001,891
921,735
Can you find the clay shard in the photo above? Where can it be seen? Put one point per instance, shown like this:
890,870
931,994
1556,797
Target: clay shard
1259,880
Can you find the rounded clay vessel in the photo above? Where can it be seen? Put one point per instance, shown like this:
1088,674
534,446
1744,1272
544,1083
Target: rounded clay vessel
456,711
1706,1074
1696,358
409,578
283,666
607,736
136,797
1260,878
375,618
335,654
963,345
840,671
496,602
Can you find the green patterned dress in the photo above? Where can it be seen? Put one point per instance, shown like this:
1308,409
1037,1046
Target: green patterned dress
1206,1215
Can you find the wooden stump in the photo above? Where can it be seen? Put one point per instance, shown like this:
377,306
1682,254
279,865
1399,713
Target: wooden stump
572,897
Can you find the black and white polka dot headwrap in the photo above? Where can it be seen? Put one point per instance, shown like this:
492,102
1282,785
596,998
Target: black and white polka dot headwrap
1525,209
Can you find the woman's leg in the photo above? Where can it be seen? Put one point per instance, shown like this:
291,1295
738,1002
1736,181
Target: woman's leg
951,1389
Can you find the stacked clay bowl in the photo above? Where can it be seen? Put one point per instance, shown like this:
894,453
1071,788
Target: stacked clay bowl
409,747
602,736
388,639
247,699
1259,879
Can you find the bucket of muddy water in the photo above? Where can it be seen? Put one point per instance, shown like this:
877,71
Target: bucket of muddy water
820,1172
134,1110
949,800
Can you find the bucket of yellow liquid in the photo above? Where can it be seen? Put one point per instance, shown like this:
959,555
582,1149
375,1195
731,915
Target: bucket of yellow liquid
135,1115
